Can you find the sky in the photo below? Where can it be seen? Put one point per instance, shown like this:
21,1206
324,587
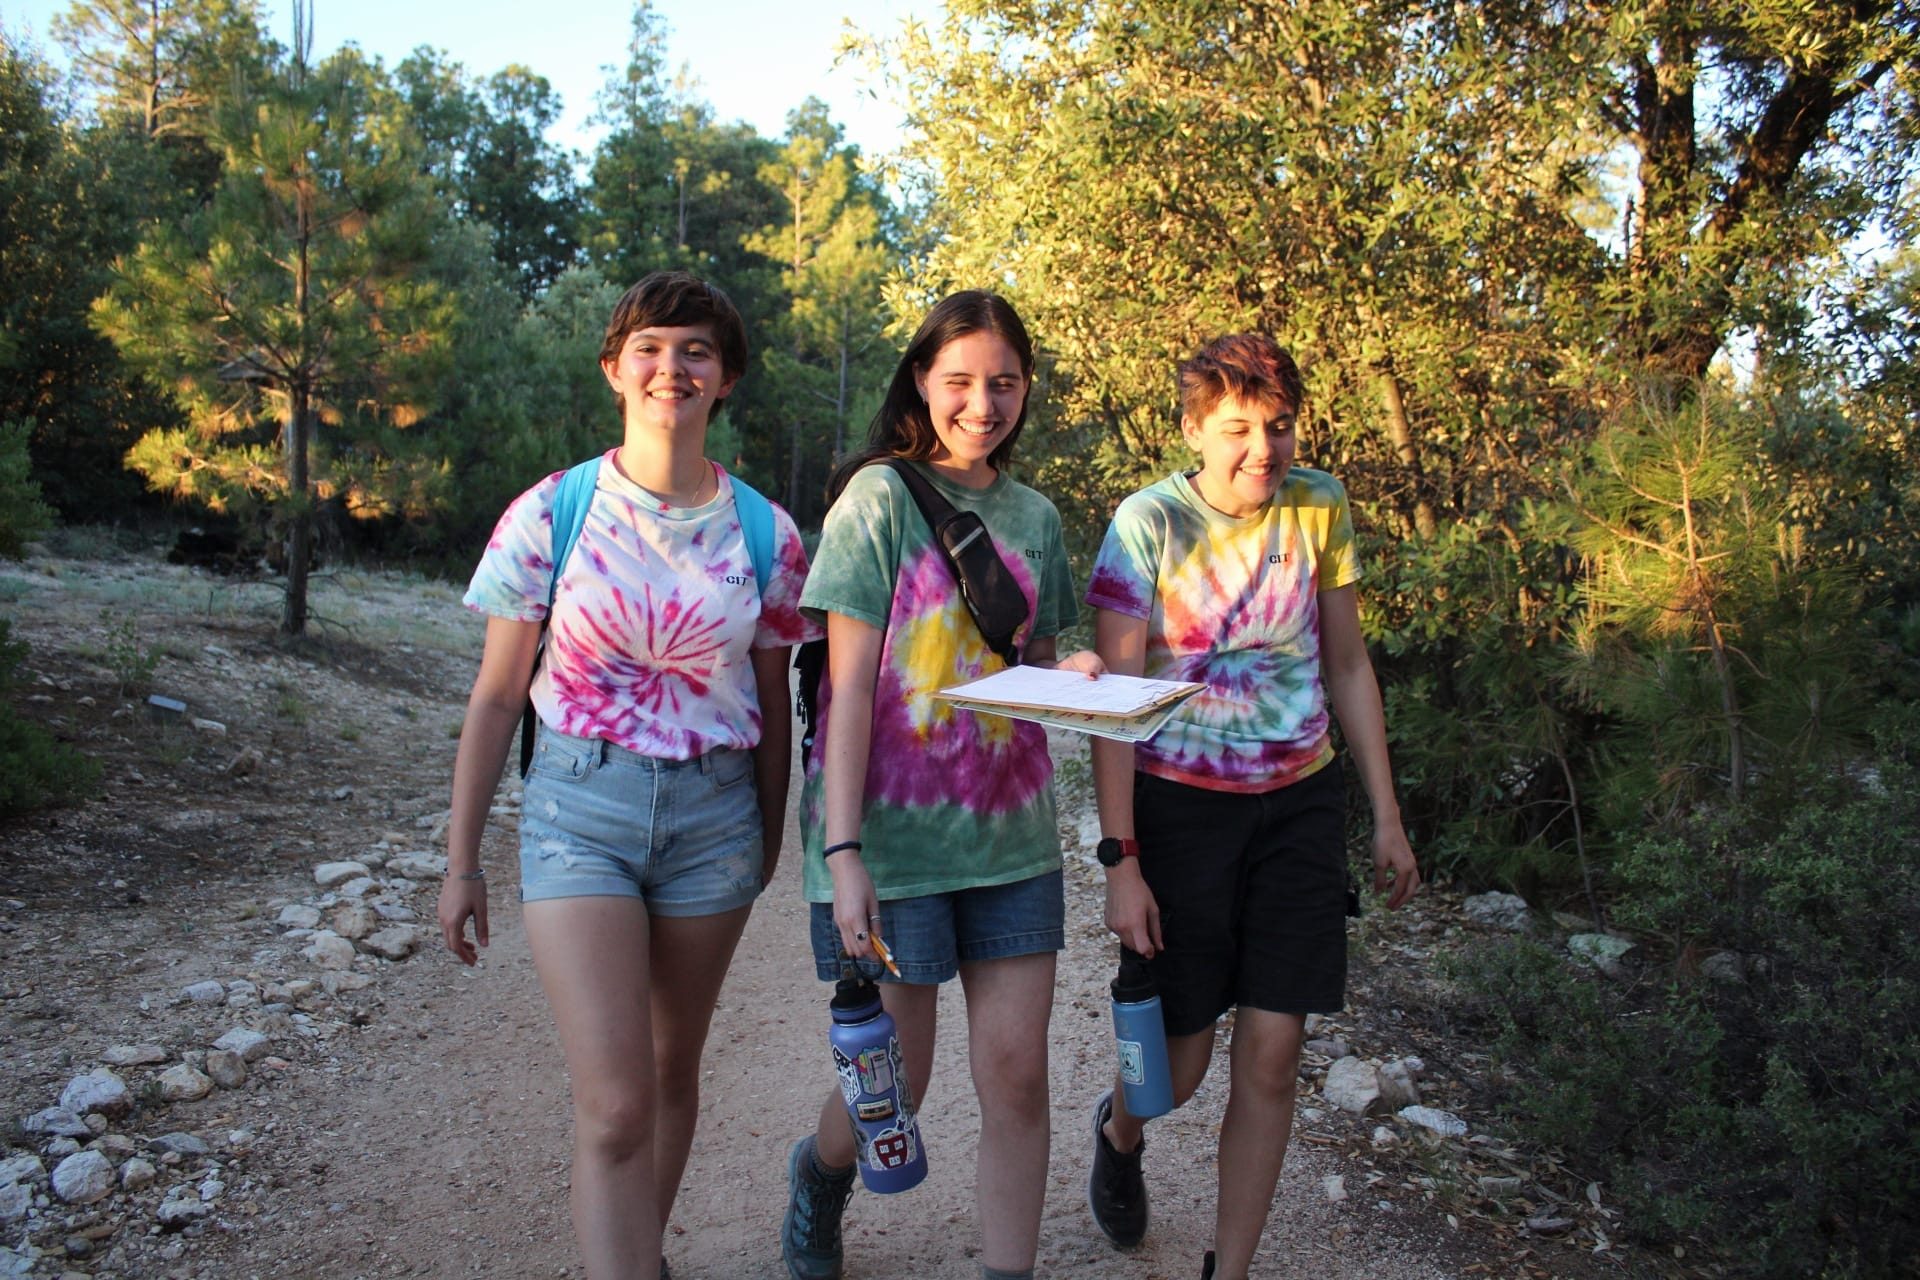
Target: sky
755,59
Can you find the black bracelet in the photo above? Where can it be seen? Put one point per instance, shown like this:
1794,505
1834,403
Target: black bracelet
842,847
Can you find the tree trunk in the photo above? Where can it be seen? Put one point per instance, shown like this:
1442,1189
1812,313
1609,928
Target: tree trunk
300,534
293,620
1400,432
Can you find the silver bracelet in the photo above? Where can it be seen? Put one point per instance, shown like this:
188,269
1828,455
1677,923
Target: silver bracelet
478,873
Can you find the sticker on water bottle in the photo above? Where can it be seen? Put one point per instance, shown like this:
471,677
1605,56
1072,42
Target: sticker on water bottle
894,1148
1133,1062
876,1110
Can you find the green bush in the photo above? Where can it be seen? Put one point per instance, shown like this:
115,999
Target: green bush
1778,1112
23,516
35,769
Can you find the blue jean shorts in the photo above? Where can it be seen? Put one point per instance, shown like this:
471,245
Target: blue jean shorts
599,820
932,936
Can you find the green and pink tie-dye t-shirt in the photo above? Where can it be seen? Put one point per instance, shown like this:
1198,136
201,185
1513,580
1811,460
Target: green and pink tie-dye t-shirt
954,800
1233,604
655,613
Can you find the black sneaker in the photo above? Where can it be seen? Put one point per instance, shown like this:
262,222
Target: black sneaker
1116,1192
810,1236
1206,1266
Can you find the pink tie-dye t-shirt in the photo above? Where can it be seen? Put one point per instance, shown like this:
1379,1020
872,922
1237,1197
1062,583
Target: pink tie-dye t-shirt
954,800
654,616
1233,604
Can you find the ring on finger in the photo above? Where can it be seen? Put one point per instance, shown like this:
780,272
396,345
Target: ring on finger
860,935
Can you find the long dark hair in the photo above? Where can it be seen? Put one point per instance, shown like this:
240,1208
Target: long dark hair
903,428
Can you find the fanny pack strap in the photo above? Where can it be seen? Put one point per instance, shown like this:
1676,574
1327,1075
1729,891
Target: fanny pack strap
988,588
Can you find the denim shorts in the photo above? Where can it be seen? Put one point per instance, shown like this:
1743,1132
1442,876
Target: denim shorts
930,937
1252,890
599,820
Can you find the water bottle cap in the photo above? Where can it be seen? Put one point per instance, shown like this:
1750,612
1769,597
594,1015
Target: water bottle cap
1134,983
855,999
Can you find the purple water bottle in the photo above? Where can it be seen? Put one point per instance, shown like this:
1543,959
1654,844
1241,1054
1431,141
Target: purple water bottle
873,1083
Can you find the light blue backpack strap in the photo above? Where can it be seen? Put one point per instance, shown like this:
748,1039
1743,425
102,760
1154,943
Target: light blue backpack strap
570,503
756,521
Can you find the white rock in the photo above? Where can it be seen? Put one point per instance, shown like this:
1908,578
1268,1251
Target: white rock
240,1141
56,1122
137,1173
329,951
1498,911
250,1045
61,1148
212,1189
394,943
182,1207
182,1144
298,915
115,1146
14,1203
1499,1188
204,993
329,874
212,728
1353,1085
1726,967
17,1170
1383,1136
1335,1186
340,981
134,1055
83,1177
1601,950
226,1068
1444,1123
358,887
181,1083
354,921
394,912
97,1091
16,1264
1397,1087
418,866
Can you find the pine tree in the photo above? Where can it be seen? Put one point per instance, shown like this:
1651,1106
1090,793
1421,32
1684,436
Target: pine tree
295,304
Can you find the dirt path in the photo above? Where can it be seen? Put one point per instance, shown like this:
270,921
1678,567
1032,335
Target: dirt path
419,1127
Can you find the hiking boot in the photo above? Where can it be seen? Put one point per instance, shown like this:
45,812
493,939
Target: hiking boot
810,1235
1116,1191
1206,1266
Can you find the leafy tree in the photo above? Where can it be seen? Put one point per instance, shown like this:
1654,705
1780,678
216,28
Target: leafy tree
297,301
66,208
158,65
486,145
1764,133
1730,655
830,347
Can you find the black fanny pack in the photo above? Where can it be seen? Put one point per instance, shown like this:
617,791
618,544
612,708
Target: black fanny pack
987,587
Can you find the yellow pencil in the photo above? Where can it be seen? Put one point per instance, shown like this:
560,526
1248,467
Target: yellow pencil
886,956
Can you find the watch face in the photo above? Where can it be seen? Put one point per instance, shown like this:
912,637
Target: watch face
1108,851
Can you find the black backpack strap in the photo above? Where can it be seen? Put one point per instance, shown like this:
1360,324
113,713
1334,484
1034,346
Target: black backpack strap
987,587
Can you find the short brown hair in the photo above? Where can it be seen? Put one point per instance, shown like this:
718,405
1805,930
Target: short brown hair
678,299
1246,366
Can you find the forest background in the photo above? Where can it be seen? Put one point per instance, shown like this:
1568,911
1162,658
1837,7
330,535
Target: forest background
1608,316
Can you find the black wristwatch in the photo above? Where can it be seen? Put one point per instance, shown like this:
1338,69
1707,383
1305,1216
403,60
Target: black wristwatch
1111,849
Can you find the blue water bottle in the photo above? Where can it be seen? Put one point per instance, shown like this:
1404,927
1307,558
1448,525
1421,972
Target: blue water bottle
873,1082
1140,1035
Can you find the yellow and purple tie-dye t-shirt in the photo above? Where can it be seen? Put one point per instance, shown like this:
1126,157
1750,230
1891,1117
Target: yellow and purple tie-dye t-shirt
954,800
654,616
1233,604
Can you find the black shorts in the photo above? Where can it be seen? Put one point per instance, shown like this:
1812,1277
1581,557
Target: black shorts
1252,890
